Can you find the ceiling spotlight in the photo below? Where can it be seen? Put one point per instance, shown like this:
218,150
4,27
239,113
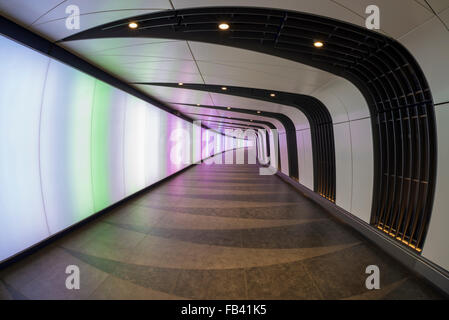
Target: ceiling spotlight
318,44
229,108
133,25
258,111
223,26
180,83
272,95
224,88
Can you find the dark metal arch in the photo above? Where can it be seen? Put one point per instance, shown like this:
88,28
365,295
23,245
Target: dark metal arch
320,120
396,90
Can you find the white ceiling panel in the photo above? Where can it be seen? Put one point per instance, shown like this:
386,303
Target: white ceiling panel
127,7
163,76
430,45
175,95
438,5
104,46
294,114
319,7
56,29
161,49
212,52
232,66
225,114
445,17
25,11
141,60
396,17
280,78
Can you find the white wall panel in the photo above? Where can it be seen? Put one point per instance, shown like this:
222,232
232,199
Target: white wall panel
301,156
284,153
308,159
335,106
344,101
436,244
65,146
363,169
71,145
343,164
134,145
22,215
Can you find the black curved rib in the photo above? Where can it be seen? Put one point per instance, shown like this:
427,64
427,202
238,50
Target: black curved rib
390,79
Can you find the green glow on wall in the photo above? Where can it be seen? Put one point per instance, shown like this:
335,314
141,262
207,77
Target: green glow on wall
100,146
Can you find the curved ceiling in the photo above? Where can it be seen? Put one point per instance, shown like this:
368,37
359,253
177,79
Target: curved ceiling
47,16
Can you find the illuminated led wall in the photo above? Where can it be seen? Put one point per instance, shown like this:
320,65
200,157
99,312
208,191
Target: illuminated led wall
72,145
213,143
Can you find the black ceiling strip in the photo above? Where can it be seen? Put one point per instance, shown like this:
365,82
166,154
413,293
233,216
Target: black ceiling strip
393,84
320,120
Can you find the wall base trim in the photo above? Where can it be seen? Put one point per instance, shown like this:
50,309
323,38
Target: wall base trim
419,265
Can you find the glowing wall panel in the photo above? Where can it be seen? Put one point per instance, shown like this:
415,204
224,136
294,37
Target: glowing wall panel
72,145
22,215
108,112
134,144
65,146
153,158
179,144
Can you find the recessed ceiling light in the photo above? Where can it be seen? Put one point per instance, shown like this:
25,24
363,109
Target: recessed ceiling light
224,88
133,25
258,111
318,44
180,83
223,26
229,108
198,104
272,95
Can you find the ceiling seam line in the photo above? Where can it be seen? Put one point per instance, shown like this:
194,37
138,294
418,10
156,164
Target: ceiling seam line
44,14
437,15
199,70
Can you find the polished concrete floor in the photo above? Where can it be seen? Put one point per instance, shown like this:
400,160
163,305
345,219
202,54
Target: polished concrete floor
213,232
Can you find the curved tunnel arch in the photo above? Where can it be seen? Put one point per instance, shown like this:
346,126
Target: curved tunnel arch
318,116
388,76
286,122
267,124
